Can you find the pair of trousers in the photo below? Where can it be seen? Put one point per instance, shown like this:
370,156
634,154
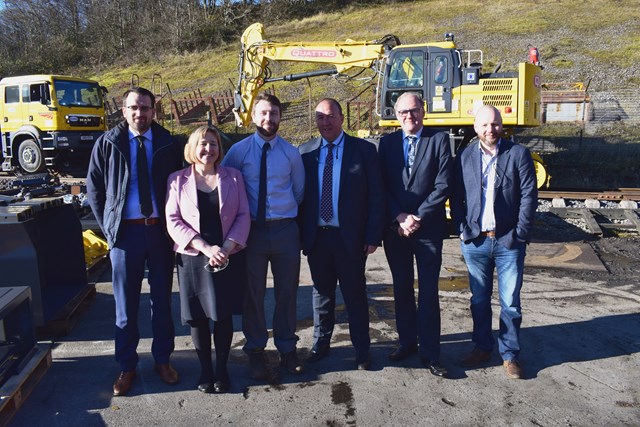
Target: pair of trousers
419,324
139,245
329,263
483,255
276,243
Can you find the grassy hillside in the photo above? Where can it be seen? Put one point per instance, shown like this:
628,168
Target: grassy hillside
578,41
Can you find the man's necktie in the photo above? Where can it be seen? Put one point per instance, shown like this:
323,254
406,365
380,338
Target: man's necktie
411,152
262,187
326,199
144,187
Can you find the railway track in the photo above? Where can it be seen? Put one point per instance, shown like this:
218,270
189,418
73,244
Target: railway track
613,195
610,212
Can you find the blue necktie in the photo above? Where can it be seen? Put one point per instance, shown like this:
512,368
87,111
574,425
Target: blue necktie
411,152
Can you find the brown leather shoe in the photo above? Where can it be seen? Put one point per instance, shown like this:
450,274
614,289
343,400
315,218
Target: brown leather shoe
475,358
123,383
167,373
513,369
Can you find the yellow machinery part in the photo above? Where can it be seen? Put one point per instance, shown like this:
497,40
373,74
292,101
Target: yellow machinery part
95,248
542,177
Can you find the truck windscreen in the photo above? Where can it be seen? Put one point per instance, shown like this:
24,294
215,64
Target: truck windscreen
77,94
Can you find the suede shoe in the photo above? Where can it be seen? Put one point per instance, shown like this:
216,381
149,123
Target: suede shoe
476,358
402,352
291,362
318,352
513,369
123,383
258,366
166,373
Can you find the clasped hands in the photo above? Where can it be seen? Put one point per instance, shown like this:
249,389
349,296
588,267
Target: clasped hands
217,256
407,224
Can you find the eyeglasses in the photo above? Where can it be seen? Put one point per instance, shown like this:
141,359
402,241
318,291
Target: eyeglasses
413,112
211,269
142,108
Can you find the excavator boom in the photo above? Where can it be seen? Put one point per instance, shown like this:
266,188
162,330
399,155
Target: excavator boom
256,52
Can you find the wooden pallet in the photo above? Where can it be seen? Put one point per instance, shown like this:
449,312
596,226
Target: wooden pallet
15,391
67,317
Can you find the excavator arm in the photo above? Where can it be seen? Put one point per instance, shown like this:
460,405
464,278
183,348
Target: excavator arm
257,52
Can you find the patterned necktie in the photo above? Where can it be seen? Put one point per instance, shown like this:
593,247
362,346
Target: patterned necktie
144,187
261,214
326,200
411,152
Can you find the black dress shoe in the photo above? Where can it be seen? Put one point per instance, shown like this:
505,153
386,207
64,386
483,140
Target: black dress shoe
258,369
435,368
402,352
318,353
221,386
206,387
364,366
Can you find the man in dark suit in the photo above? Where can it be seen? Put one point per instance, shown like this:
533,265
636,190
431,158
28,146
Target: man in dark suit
342,220
417,170
493,207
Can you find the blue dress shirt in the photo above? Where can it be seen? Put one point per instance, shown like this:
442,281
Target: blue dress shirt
132,204
285,174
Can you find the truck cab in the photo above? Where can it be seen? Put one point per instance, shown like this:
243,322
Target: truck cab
49,121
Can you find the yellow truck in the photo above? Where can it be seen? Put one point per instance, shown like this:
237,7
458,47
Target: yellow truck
50,122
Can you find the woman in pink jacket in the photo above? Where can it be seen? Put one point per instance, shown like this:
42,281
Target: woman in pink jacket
208,219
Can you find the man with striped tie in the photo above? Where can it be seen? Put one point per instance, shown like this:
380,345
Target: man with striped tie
342,218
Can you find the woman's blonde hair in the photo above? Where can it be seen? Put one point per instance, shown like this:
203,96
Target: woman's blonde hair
194,140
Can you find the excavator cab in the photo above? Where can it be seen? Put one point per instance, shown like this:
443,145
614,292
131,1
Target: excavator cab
429,70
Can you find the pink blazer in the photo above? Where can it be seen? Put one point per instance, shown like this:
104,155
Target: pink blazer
183,216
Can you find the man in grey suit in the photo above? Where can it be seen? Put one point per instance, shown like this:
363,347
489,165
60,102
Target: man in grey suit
417,169
342,218
493,207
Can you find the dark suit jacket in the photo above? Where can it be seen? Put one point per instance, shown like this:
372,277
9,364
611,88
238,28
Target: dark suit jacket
425,192
516,195
361,199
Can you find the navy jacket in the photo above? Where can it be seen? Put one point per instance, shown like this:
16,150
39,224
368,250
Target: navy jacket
108,175
425,191
516,194
361,199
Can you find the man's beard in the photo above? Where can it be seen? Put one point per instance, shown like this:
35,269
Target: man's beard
262,131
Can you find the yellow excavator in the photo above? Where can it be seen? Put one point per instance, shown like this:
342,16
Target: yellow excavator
450,80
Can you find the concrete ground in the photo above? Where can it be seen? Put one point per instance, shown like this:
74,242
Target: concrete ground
581,354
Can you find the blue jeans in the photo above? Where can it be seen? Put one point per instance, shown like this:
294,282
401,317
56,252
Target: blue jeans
483,255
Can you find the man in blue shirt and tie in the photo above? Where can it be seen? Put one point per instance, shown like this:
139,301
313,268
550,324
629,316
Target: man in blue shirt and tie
274,178
126,188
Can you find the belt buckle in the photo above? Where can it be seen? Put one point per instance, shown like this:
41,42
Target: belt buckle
148,221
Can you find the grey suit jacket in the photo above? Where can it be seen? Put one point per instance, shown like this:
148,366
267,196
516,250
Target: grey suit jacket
516,193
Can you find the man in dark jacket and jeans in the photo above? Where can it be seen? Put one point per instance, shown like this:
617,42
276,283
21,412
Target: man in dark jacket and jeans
126,187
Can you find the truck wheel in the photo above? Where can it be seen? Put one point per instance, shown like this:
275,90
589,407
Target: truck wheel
30,156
